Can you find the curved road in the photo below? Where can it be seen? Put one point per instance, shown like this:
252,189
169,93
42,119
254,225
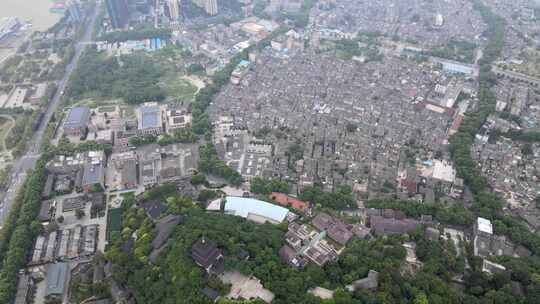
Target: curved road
28,161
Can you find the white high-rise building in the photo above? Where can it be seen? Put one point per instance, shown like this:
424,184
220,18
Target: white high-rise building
483,234
174,9
209,6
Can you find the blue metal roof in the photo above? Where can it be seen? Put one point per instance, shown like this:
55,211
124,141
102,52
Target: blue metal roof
242,206
77,117
243,63
150,117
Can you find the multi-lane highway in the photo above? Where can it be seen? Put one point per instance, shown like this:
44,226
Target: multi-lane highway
28,160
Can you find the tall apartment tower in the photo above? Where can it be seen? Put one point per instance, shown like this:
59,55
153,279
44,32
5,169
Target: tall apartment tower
74,10
118,12
174,9
483,234
209,6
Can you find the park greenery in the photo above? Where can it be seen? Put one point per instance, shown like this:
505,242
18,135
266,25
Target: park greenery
38,67
175,269
294,153
348,49
266,186
519,135
21,132
133,78
142,140
175,277
182,135
9,67
84,290
456,50
341,198
4,177
210,163
161,192
198,179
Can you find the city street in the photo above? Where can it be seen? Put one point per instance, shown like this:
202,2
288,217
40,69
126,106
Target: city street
28,161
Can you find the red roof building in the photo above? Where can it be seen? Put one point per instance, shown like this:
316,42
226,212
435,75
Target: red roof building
410,185
285,200
457,122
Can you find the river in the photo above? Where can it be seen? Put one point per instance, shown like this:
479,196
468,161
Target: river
35,10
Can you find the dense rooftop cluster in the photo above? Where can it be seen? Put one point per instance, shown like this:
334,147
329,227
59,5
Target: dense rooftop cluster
427,23
278,151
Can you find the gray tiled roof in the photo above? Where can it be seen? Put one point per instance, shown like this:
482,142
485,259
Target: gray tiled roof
92,174
56,278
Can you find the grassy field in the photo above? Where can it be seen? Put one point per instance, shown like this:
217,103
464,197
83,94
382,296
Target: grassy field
179,89
114,221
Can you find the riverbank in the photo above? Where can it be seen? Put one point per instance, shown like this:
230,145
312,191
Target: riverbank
35,11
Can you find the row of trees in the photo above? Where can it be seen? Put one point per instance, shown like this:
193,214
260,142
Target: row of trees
66,51
19,231
487,204
65,147
209,162
519,135
183,135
